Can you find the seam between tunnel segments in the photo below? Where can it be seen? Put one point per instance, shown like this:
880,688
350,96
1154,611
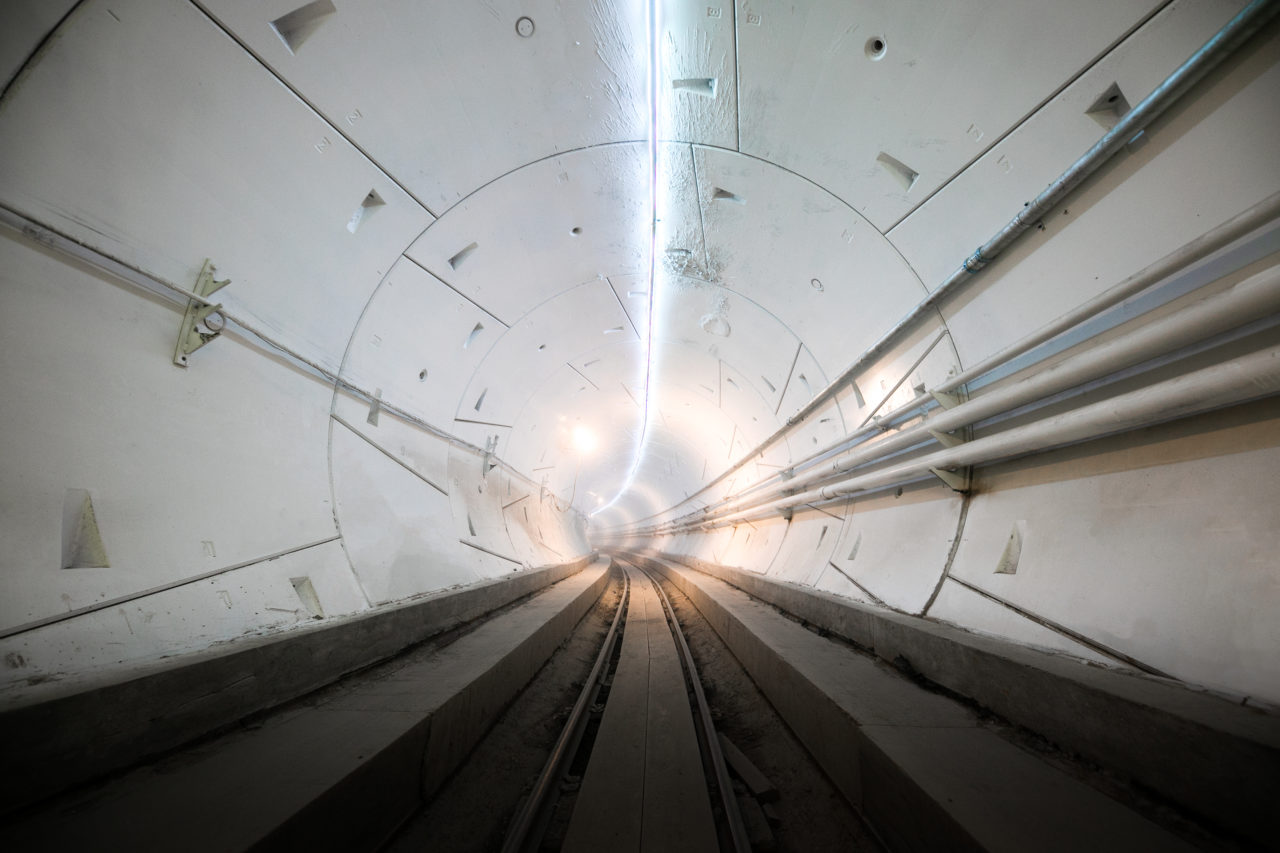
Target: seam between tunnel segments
39,48
1091,644
133,596
420,266
1013,128
199,6
387,453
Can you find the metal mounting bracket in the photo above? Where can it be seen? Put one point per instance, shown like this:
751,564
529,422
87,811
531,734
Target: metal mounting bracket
946,399
957,480
947,439
190,336
486,461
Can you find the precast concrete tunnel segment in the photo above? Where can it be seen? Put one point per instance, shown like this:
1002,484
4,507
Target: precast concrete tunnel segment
923,358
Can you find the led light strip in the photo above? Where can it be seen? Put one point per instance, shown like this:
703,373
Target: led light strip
651,81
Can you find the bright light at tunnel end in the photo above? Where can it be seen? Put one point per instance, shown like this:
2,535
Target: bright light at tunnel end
584,440
650,235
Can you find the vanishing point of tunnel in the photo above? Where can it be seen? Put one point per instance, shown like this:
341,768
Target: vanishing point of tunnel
639,425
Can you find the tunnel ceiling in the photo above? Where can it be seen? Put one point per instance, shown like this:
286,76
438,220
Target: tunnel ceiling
618,251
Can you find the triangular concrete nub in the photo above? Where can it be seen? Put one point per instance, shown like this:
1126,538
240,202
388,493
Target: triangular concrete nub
82,546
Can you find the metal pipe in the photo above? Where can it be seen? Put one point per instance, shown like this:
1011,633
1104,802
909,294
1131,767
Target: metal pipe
1235,381
1250,19
1256,296
1182,257
1198,249
152,283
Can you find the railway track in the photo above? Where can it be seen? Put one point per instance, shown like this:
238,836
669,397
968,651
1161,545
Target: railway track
638,765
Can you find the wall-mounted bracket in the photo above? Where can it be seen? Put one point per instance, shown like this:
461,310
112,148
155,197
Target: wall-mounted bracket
947,439
958,481
946,399
201,323
486,462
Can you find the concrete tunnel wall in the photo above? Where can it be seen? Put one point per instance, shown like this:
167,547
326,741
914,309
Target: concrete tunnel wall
437,232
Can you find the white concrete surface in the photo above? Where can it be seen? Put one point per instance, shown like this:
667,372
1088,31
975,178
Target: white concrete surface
510,259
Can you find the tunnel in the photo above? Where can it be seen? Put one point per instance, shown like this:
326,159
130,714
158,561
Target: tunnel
365,365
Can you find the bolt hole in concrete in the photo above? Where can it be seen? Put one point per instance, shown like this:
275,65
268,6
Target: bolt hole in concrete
876,47
524,27
815,284
422,375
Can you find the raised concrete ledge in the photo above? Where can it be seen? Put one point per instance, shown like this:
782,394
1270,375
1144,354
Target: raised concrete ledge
923,769
339,772
1217,759
70,739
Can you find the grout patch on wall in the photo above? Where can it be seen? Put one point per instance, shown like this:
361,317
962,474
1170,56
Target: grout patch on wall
375,407
1109,107
456,260
899,171
300,24
853,552
704,86
1008,564
307,595
857,395
82,546
371,202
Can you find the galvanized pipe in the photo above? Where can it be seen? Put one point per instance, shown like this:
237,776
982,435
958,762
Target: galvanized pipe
1198,249
1235,381
1250,19
1256,296
1238,30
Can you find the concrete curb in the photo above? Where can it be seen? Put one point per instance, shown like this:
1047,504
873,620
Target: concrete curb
340,773
1210,756
922,768
75,738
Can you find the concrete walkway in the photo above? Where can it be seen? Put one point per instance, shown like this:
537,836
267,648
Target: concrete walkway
340,774
922,768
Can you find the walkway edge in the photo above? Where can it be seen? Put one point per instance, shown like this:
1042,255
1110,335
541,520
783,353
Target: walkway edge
1215,758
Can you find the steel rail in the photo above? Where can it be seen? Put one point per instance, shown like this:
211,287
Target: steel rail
533,815
729,801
